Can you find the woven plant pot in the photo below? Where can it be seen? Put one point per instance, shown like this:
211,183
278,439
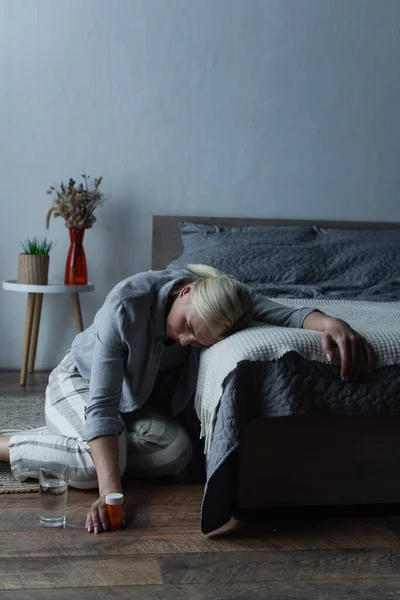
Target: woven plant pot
33,269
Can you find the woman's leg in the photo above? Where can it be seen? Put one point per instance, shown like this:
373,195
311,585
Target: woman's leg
29,452
157,445
66,398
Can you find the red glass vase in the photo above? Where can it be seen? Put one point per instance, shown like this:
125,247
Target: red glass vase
75,268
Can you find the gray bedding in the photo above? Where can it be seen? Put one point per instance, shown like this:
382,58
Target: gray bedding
302,262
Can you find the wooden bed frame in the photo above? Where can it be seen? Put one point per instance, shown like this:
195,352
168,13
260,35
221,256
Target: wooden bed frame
300,461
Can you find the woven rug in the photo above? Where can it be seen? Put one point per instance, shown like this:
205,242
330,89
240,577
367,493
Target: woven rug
17,413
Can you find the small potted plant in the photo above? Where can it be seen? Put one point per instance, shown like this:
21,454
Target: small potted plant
33,262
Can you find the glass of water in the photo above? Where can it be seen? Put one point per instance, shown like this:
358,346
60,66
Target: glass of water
53,486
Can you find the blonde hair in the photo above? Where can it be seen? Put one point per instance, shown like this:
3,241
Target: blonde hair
224,303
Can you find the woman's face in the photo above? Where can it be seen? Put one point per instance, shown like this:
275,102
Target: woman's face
184,324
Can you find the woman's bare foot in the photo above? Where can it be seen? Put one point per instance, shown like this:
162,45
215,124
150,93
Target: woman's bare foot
4,448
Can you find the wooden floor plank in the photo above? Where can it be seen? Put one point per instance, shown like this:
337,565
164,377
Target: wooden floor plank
327,533
35,383
145,541
80,499
343,533
169,515
23,519
359,589
135,492
157,492
18,500
178,540
61,572
240,567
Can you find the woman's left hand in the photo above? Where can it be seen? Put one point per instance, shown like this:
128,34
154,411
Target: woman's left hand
356,355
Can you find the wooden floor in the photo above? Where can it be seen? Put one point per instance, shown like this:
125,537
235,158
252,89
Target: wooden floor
318,555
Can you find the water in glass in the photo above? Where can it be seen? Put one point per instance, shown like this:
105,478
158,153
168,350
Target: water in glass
53,502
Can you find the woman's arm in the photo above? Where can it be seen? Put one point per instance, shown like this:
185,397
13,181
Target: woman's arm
107,373
103,422
104,452
356,355
317,321
273,313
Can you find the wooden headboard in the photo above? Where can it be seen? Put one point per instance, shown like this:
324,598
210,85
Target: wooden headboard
167,244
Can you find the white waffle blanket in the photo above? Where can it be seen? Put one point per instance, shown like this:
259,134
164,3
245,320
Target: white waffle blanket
378,322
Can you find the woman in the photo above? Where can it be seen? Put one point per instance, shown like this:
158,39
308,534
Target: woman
142,351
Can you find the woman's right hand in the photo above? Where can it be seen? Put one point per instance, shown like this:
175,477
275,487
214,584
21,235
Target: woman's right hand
105,453
97,520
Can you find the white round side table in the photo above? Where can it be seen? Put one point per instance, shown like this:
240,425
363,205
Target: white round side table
33,312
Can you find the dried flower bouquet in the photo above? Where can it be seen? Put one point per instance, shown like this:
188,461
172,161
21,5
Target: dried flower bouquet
76,205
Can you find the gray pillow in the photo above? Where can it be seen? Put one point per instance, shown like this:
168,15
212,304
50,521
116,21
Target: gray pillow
300,261
378,236
266,233
237,251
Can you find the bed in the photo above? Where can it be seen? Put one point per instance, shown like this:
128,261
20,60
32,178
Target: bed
329,452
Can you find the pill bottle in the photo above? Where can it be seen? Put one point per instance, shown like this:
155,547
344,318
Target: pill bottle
114,510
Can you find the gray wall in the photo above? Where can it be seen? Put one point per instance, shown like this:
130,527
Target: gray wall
263,108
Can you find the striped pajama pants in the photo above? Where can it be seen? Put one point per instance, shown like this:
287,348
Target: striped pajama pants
151,444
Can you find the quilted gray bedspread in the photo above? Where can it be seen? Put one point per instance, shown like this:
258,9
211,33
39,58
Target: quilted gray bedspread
303,387
293,262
